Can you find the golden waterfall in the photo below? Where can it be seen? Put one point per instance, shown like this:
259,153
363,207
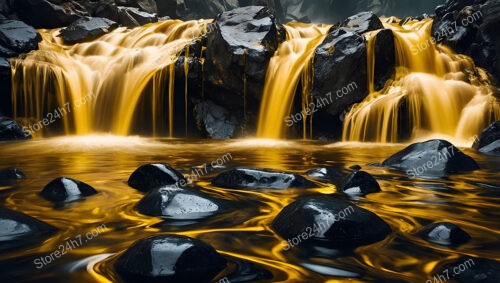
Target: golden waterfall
435,91
100,84
290,63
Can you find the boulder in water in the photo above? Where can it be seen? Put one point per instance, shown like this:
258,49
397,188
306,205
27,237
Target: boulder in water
18,36
433,158
359,183
385,58
172,202
87,28
362,22
10,130
444,233
9,175
214,121
328,221
18,229
330,173
489,140
260,179
154,175
170,258
471,270
66,189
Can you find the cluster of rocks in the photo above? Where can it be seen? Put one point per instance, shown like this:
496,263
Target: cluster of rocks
184,259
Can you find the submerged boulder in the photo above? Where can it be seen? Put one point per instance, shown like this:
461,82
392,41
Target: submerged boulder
66,189
172,202
328,221
10,130
489,140
359,183
170,258
444,233
471,270
362,22
18,36
18,229
87,29
431,158
260,179
330,173
154,175
10,175
214,121
239,49
342,56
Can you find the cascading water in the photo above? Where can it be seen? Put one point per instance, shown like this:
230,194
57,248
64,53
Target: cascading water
103,81
291,62
435,91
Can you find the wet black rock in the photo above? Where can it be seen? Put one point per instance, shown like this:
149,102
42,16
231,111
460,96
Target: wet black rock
172,202
342,56
18,229
431,158
170,258
472,270
260,179
444,233
385,58
66,189
489,140
150,176
18,36
49,14
133,17
10,130
87,28
332,173
239,49
214,121
363,22
11,174
5,87
359,183
331,222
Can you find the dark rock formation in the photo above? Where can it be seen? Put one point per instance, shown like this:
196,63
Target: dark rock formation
10,130
431,158
471,27
133,17
329,221
18,229
489,140
9,175
330,173
385,58
260,179
360,183
362,22
342,56
472,270
239,50
66,189
172,202
49,14
18,36
170,258
444,233
150,176
87,28
5,87
214,121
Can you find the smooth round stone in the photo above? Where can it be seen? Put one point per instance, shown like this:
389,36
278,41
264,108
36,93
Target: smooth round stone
154,175
360,183
260,179
170,258
444,233
11,174
66,189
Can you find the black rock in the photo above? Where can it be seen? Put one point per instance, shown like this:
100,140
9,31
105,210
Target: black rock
332,173
363,22
10,130
18,229
260,179
328,221
154,175
489,140
87,29
431,158
471,270
342,56
360,183
444,233
240,46
18,36
385,58
66,189
11,174
170,258
132,17
172,202
214,121
5,87
49,14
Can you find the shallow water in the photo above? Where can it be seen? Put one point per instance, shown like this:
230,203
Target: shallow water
469,200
